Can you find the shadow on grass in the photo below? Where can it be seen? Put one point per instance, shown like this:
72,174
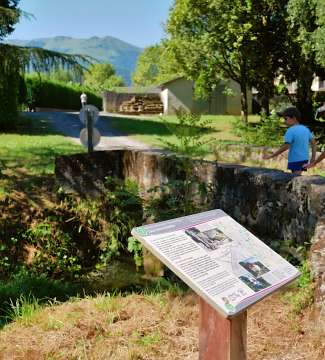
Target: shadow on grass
28,167
30,288
25,125
141,126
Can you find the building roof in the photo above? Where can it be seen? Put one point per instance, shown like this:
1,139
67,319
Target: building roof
136,90
166,83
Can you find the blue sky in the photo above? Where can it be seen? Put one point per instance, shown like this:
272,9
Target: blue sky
139,22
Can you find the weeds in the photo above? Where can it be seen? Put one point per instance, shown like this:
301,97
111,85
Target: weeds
268,132
23,310
303,295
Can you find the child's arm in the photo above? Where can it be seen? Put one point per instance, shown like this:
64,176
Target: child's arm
315,162
282,149
313,144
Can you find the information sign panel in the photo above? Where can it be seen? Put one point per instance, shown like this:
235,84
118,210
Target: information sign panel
219,259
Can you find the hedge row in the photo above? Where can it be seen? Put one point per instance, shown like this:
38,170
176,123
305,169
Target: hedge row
49,94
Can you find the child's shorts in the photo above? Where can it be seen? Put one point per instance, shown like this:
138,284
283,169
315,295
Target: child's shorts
297,165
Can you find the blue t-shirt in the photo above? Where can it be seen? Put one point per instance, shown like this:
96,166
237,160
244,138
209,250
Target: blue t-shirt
298,137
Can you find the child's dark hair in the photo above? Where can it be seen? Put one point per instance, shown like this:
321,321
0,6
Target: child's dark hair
291,112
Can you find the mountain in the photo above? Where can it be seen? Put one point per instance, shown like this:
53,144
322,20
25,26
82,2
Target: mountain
121,55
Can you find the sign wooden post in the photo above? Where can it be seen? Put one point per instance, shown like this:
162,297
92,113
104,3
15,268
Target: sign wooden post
221,338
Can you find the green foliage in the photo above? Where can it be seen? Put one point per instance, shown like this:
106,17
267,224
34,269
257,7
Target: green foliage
23,310
135,248
218,39
268,132
105,224
189,131
62,76
102,77
112,82
184,194
303,296
121,55
23,285
123,210
155,65
56,252
9,86
319,34
14,60
49,94
9,16
300,61
76,235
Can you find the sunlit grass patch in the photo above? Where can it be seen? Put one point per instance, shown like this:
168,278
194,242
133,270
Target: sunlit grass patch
24,310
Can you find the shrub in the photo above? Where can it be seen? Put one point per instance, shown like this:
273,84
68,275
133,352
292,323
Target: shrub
42,92
268,132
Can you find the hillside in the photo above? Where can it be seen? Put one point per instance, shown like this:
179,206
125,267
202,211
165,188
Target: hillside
121,55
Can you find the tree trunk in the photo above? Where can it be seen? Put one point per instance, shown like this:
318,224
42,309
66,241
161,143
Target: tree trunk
243,93
265,104
243,100
304,95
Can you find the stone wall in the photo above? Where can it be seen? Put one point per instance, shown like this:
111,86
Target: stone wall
275,205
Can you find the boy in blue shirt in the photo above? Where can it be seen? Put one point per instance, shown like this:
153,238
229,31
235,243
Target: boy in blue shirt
297,139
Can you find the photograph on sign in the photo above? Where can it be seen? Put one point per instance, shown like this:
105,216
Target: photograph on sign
84,137
223,262
93,112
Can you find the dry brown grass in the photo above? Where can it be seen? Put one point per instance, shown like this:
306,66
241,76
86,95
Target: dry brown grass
153,327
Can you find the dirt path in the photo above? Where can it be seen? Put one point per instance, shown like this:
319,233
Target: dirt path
68,124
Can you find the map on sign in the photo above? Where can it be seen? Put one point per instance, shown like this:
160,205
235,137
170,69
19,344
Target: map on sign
218,258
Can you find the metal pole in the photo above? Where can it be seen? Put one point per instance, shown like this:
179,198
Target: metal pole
90,131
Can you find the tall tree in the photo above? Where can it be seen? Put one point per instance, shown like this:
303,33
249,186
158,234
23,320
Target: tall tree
300,61
266,54
319,34
15,59
212,41
242,40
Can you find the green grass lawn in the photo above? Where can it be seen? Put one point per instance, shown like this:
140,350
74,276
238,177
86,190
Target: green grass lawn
28,154
151,130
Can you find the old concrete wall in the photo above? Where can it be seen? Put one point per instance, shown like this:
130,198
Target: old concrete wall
179,96
275,205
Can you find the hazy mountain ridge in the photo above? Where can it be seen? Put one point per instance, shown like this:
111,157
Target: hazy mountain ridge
122,55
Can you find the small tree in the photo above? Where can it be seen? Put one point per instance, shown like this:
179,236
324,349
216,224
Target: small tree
155,65
186,193
101,76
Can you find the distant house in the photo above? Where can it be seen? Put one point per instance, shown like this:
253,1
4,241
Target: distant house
318,85
179,93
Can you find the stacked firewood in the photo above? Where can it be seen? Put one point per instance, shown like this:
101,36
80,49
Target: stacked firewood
142,105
